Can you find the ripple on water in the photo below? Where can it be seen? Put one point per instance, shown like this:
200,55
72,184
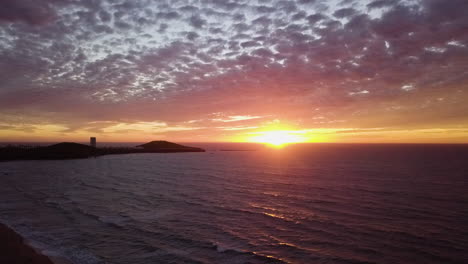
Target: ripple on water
244,207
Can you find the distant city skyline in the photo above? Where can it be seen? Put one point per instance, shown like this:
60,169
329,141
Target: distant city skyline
390,71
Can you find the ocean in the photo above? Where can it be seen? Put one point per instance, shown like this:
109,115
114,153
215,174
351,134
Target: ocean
306,203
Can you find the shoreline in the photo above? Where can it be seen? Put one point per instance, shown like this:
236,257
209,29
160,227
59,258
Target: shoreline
69,150
14,249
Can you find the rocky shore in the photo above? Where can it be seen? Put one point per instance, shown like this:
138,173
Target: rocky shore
14,249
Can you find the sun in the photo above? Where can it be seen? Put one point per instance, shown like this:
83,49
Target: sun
278,138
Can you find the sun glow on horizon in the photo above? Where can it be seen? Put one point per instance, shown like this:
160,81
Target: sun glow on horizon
279,138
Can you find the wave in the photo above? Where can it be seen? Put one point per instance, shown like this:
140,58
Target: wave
29,238
237,209
238,255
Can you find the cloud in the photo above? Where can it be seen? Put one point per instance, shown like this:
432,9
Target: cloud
197,21
344,12
314,18
168,15
137,60
382,3
26,11
265,9
236,118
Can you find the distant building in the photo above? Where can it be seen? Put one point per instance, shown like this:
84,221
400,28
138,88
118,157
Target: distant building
92,142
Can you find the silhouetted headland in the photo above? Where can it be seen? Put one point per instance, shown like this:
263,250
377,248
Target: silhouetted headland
166,146
69,150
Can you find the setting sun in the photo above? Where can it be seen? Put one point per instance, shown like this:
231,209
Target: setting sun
278,138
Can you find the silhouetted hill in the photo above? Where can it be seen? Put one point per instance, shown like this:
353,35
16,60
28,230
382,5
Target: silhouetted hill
166,146
69,147
66,150
69,150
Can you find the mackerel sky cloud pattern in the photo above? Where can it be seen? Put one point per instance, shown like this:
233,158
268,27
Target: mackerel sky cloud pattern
90,65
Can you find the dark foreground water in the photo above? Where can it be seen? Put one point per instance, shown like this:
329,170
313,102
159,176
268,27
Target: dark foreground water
303,204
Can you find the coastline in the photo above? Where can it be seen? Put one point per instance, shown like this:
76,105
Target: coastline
14,249
69,150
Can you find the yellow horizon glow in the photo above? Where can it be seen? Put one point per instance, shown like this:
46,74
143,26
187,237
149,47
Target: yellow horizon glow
278,138
279,135
273,134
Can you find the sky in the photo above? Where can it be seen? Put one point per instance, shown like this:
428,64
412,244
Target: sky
221,70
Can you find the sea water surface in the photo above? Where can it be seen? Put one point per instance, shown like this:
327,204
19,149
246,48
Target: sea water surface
301,204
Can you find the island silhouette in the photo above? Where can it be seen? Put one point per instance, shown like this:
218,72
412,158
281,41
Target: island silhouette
71,150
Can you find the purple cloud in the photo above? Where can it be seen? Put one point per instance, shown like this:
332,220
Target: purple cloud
178,62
